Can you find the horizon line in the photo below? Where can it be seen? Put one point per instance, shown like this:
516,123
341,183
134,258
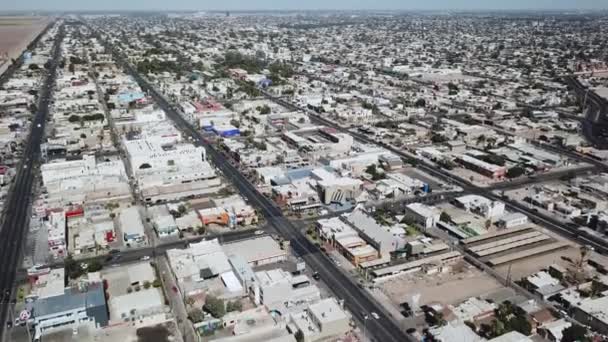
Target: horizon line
313,10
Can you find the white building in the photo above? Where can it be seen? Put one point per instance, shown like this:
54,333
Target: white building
131,224
170,172
322,321
56,227
512,220
336,189
423,215
275,289
257,252
482,206
162,220
137,304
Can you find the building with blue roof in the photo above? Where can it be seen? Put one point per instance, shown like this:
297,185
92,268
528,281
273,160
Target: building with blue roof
128,97
83,303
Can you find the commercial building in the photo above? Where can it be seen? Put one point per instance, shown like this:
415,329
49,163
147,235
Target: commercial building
278,290
131,225
322,321
200,261
56,227
423,215
480,205
228,211
346,240
257,324
482,167
162,220
433,263
592,312
84,303
334,189
512,220
85,181
374,234
168,172
137,304
257,252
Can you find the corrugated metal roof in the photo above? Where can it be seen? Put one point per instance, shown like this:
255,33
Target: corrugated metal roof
72,298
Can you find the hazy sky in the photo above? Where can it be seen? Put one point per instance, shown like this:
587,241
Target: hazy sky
298,4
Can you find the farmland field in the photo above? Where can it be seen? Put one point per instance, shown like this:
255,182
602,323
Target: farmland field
16,33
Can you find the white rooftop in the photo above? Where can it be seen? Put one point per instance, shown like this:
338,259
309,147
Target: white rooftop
254,250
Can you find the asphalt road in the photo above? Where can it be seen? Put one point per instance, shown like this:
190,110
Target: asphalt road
357,300
17,212
136,254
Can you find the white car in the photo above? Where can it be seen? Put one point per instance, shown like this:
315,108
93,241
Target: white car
375,315
145,257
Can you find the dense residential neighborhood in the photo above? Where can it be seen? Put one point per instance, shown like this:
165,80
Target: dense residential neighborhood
301,177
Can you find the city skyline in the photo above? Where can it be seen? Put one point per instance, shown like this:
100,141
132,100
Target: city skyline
181,5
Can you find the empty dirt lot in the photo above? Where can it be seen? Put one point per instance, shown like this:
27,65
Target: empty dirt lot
446,288
16,33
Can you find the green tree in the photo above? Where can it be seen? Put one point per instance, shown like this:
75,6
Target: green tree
95,266
515,171
215,306
445,217
234,306
72,268
575,333
264,110
196,315
299,336
519,322
372,169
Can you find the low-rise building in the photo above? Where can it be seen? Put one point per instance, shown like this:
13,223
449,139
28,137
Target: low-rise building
512,220
86,302
482,167
131,225
423,215
137,304
257,252
321,321
162,220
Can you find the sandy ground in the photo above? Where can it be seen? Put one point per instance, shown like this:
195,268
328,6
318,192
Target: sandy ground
16,33
528,266
446,288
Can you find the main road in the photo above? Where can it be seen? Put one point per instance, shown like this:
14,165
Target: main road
14,226
358,301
